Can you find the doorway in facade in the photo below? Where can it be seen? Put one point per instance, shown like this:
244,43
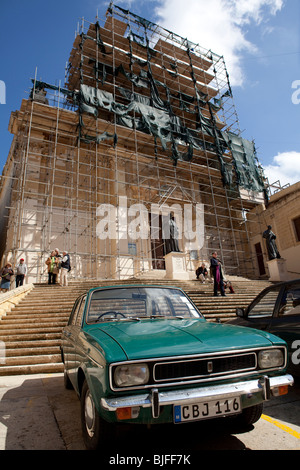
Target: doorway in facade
260,259
157,243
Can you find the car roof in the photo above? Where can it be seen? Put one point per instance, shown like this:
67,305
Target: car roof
122,286
282,284
275,285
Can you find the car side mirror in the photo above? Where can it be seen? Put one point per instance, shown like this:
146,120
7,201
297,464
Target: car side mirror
240,312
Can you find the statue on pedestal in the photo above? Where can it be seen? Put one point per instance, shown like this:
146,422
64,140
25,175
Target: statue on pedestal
171,243
270,237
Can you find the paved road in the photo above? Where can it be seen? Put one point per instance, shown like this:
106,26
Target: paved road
37,413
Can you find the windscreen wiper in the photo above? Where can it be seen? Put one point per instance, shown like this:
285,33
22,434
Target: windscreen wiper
154,316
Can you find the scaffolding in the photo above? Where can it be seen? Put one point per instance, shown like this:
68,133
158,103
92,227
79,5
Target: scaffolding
145,119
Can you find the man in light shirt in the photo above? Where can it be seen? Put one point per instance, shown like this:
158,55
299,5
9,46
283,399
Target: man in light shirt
21,271
65,268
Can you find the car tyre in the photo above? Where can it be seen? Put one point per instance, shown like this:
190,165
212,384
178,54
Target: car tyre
251,415
67,382
95,431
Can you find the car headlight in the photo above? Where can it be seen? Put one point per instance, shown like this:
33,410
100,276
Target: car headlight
128,375
270,358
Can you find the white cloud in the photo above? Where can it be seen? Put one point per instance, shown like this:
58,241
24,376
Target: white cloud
219,25
254,9
284,168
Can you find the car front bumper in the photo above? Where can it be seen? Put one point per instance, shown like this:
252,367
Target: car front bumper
250,392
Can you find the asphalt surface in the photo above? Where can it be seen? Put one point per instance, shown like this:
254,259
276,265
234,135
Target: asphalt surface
38,413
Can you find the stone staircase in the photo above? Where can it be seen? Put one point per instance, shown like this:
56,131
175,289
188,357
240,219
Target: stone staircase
31,331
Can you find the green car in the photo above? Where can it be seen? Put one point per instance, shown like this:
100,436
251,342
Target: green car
144,354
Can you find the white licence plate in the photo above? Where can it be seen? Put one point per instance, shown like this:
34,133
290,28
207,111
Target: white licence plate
208,409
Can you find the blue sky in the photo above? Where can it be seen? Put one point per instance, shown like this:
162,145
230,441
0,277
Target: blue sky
258,38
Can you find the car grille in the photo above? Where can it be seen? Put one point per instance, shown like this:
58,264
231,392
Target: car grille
177,370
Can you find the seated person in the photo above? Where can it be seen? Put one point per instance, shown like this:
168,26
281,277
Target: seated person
201,272
227,284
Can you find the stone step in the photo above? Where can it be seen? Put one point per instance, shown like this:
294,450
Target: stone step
18,317
217,311
32,344
8,334
32,304
33,351
222,300
33,327
43,300
31,336
41,316
38,311
32,369
33,359
221,303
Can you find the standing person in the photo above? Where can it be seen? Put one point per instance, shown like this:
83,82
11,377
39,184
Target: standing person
59,257
216,270
52,263
20,273
65,268
6,274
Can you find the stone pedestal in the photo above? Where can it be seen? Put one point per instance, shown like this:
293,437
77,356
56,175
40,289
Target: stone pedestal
277,270
176,266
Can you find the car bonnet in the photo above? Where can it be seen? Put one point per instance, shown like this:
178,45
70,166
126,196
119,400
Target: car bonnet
157,337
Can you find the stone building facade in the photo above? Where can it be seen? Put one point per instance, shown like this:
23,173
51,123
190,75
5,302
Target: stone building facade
283,213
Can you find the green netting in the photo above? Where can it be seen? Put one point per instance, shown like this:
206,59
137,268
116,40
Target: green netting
100,138
39,85
244,156
136,114
142,21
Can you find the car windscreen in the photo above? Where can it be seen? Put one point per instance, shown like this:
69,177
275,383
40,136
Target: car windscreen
136,303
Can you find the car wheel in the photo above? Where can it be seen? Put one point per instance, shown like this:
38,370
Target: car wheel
251,415
96,432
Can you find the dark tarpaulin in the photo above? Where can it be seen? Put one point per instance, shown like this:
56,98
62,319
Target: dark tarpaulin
39,85
243,153
142,21
147,118
99,138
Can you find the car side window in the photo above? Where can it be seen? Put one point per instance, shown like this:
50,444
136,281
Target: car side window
264,307
77,312
74,312
78,319
290,302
